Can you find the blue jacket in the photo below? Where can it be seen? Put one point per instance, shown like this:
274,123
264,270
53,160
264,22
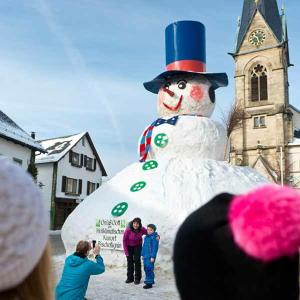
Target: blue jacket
75,277
150,246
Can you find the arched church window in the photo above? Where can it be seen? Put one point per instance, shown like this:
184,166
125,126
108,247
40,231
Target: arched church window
259,83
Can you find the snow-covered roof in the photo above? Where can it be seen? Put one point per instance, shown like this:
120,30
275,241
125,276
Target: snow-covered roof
11,131
295,142
57,147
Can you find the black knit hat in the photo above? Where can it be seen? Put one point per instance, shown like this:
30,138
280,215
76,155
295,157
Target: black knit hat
152,226
241,248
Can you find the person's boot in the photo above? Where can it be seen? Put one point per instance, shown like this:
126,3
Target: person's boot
147,286
137,281
128,280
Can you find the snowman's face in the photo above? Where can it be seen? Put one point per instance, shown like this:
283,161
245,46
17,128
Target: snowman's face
186,94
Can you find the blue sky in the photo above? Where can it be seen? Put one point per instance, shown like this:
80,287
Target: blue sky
67,66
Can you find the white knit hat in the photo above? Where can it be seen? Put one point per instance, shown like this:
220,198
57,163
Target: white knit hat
24,225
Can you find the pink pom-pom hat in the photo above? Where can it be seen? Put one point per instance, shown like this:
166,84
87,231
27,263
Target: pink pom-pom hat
266,222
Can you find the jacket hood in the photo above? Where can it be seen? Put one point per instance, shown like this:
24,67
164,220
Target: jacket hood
75,261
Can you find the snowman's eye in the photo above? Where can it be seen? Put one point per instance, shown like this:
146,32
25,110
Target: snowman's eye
181,84
167,85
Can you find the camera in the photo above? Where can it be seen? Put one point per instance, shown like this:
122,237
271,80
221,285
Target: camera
94,243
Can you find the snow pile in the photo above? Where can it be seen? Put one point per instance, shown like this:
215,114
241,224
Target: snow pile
186,173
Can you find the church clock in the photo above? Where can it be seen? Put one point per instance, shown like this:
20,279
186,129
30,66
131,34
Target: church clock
257,37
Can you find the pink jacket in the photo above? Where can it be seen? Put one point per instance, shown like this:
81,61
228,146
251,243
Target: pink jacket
133,238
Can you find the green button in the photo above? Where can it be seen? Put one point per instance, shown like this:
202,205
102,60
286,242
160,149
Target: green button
138,186
149,165
119,209
161,140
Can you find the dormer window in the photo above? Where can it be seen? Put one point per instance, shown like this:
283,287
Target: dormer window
259,83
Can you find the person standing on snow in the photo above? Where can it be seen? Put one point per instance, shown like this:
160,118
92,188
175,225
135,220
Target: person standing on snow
149,252
77,271
132,245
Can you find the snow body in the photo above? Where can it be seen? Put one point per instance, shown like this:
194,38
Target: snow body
191,170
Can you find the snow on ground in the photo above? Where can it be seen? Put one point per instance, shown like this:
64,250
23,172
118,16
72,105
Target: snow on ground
54,232
111,285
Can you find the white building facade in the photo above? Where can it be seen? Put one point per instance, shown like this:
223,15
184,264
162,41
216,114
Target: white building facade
68,173
15,143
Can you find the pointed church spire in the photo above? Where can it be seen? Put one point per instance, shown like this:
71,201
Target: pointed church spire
270,12
285,38
283,22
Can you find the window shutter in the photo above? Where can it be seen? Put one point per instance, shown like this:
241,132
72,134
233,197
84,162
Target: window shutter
70,156
63,184
81,160
88,188
85,160
80,187
95,164
98,184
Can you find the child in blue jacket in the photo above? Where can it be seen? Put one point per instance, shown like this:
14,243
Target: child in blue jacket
149,252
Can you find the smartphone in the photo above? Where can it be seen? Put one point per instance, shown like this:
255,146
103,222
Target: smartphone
94,243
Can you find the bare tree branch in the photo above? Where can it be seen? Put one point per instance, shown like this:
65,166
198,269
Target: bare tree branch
232,118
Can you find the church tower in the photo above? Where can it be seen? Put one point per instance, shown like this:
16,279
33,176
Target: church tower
261,56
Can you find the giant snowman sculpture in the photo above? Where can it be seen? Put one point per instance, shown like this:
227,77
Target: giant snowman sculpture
181,163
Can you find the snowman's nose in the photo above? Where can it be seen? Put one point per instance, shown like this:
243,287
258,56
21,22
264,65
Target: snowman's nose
168,92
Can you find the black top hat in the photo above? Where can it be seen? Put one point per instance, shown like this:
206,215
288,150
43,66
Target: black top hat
241,248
